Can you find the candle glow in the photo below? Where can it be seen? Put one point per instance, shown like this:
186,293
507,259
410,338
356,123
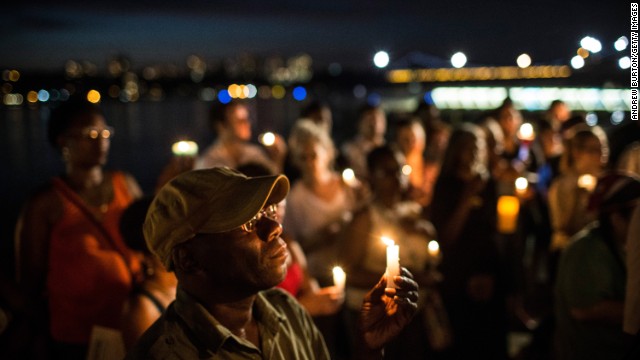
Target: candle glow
349,177
587,182
339,277
267,139
525,133
508,208
521,185
433,248
393,261
184,148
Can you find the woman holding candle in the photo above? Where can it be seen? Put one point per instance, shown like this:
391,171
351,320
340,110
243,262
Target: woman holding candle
318,206
463,212
387,233
583,161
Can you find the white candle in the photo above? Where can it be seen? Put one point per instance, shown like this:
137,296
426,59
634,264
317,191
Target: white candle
349,177
525,132
433,248
393,261
522,184
339,277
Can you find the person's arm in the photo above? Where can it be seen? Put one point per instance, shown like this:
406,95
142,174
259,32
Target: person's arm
138,315
32,234
604,312
385,312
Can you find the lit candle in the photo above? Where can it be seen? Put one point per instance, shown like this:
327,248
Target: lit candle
184,148
587,182
393,261
349,177
521,186
433,248
339,277
406,170
525,132
508,208
267,139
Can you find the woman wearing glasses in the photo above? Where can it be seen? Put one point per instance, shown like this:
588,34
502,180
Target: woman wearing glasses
71,259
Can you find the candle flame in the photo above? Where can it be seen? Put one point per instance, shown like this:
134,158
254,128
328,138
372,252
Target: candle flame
406,170
522,183
348,175
526,132
184,148
433,246
387,241
338,272
587,182
268,139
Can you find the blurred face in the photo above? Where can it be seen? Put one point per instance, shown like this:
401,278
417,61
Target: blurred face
588,156
249,261
323,118
561,112
373,124
87,141
510,120
473,155
411,139
313,158
387,178
238,122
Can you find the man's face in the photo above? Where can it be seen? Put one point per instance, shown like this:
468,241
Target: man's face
249,261
238,122
373,124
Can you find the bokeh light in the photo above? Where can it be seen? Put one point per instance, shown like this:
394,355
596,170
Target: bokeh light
621,43
624,62
577,62
381,59
299,93
224,97
523,61
458,60
93,96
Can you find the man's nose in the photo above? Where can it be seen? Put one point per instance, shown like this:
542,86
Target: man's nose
269,229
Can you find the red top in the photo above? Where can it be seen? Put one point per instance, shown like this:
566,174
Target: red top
88,276
293,281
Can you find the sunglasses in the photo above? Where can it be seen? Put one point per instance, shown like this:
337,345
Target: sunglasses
270,211
93,133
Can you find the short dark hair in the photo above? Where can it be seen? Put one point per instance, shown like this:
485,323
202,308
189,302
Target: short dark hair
218,113
65,114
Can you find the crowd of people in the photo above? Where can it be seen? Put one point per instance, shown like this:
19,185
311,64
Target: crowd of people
233,251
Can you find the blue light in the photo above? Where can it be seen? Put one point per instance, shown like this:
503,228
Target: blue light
427,98
43,95
224,97
374,99
299,93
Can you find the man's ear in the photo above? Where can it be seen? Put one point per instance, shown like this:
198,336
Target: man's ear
183,259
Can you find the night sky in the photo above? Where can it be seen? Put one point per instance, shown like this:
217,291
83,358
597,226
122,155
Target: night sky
43,35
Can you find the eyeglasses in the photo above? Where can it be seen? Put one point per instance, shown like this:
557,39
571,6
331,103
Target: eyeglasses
92,133
271,212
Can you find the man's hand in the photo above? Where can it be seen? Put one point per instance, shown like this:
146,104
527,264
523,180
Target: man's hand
385,312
